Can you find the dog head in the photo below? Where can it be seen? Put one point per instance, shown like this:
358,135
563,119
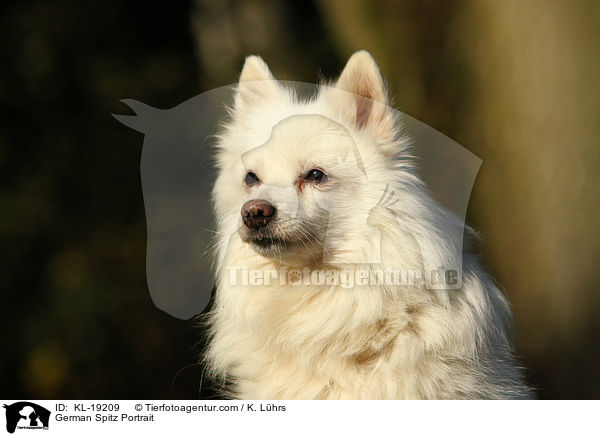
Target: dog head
293,174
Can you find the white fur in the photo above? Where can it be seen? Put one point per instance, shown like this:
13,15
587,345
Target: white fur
329,342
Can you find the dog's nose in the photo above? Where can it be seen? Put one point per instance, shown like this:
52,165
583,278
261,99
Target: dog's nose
257,213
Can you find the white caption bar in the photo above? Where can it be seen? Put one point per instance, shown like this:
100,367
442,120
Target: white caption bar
299,417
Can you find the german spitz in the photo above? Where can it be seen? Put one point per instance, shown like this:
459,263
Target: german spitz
326,235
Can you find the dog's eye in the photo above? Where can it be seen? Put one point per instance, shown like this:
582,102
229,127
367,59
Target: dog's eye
316,176
251,179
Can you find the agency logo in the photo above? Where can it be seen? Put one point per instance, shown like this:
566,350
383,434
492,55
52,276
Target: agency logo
177,178
26,415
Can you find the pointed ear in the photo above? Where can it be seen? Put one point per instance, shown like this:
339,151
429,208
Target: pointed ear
257,84
367,105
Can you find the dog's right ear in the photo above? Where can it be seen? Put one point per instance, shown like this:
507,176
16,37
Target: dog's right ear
257,85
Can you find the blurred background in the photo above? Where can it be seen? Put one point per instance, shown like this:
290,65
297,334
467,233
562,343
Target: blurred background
514,82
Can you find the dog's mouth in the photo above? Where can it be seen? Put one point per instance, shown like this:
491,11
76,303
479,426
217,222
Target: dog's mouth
263,239
298,248
268,242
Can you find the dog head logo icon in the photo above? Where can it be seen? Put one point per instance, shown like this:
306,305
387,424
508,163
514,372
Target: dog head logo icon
26,415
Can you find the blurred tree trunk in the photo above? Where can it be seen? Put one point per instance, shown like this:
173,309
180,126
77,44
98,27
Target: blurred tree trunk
536,103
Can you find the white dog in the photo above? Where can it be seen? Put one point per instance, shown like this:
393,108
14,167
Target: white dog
314,199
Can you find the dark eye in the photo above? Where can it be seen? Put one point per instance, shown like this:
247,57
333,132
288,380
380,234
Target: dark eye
251,179
316,176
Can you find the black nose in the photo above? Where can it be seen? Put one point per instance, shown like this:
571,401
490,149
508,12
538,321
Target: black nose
257,213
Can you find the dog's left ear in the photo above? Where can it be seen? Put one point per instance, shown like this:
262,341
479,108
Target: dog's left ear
257,85
366,103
